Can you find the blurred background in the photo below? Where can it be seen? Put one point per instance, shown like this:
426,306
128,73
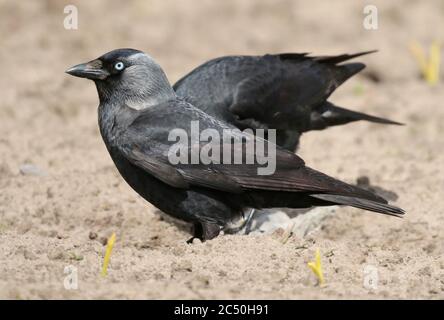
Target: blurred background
61,197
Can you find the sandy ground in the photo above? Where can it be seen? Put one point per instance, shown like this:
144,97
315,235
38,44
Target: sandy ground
49,120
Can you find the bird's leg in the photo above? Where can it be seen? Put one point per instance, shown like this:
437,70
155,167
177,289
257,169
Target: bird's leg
204,231
288,139
197,232
247,225
210,230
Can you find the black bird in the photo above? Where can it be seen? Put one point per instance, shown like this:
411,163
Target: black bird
137,112
287,92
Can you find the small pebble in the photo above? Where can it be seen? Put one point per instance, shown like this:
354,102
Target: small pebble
56,255
182,266
28,169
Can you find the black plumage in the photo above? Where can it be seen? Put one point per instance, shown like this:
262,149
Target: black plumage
287,92
138,109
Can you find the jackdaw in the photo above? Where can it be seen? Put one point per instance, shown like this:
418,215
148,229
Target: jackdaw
139,109
287,92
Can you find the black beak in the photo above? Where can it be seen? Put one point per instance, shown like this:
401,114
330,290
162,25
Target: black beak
90,70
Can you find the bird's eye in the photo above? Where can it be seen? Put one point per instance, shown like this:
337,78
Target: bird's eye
119,66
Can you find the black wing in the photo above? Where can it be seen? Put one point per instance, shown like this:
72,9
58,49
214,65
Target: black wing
278,91
145,144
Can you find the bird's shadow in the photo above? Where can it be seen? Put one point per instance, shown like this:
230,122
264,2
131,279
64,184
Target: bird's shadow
364,183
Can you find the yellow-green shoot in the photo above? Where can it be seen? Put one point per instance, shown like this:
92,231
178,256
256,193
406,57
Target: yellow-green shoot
109,249
429,67
316,267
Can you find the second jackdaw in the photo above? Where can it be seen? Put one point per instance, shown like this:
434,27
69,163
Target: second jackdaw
287,92
137,112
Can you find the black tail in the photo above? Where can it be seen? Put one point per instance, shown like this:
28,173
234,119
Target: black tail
361,203
346,71
304,187
329,115
339,73
338,192
342,57
342,72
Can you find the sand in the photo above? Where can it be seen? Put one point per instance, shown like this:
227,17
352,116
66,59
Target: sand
61,196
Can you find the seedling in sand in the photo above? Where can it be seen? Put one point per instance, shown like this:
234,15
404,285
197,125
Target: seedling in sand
316,267
429,67
109,249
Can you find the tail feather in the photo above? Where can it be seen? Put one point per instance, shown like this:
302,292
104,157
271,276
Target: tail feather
342,57
338,73
343,72
330,115
361,203
346,71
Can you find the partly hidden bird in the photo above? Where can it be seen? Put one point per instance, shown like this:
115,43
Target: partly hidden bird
137,112
286,92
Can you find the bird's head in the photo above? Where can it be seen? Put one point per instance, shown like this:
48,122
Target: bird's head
126,75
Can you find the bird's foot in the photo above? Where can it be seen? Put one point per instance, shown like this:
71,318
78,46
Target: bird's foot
190,240
204,231
244,226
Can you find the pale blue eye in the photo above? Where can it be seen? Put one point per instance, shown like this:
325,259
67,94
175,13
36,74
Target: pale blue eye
119,66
